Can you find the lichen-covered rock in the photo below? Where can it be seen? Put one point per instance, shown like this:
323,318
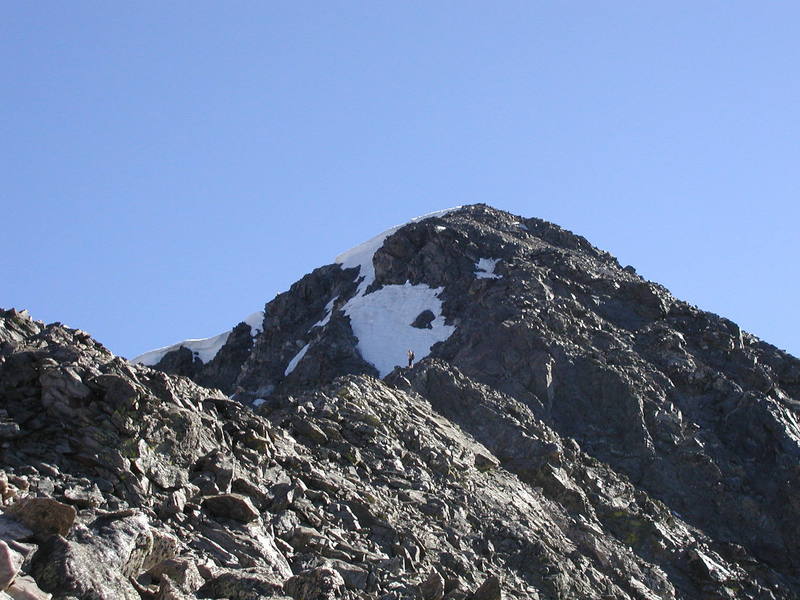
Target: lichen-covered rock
321,583
241,585
100,559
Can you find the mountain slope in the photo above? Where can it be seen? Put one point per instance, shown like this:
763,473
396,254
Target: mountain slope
358,489
568,430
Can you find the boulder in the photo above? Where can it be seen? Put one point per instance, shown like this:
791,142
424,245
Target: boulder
231,506
25,588
241,585
44,516
489,590
433,586
321,583
10,562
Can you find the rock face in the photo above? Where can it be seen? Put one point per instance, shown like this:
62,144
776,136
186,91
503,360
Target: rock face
577,433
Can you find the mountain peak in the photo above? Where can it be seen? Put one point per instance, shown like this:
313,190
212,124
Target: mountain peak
564,428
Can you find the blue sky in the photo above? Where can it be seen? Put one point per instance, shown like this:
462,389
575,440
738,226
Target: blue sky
167,168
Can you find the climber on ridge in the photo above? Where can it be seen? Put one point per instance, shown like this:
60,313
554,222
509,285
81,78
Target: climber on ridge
410,357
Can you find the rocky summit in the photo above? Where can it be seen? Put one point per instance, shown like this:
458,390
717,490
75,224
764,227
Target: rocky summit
563,429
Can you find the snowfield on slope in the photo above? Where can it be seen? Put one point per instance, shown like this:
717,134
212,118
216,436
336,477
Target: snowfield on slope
484,268
205,349
382,323
382,320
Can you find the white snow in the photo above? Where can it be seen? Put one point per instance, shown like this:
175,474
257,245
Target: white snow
361,255
382,323
484,268
382,320
256,322
205,349
296,360
328,312
258,402
521,225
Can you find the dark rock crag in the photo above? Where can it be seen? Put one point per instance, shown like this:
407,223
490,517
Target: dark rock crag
581,434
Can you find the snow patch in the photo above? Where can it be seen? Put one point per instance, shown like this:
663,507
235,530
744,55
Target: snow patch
258,402
361,256
521,225
382,323
382,320
256,322
484,268
328,312
296,360
205,348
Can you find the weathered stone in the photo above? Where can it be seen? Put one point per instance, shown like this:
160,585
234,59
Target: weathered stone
490,589
181,573
44,516
11,529
484,462
65,567
231,506
10,563
9,430
101,559
303,539
173,505
310,430
423,320
433,587
25,588
241,585
321,583
355,577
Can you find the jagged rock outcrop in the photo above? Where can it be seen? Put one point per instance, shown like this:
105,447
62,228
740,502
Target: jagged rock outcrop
569,430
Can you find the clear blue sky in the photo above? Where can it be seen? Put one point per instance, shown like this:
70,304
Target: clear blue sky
168,167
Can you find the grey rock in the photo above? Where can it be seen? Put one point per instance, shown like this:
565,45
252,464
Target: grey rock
489,590
25,588
241,585
321,583
182,575
12,530
231,506
10,563
484,462
44,516
310,430
433,587
99,560
354,576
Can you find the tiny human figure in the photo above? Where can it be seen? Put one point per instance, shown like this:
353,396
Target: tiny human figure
410,357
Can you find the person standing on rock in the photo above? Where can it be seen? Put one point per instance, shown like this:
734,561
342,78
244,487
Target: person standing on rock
410,357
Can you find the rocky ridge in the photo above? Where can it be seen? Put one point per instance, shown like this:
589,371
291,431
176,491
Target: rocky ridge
581,434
